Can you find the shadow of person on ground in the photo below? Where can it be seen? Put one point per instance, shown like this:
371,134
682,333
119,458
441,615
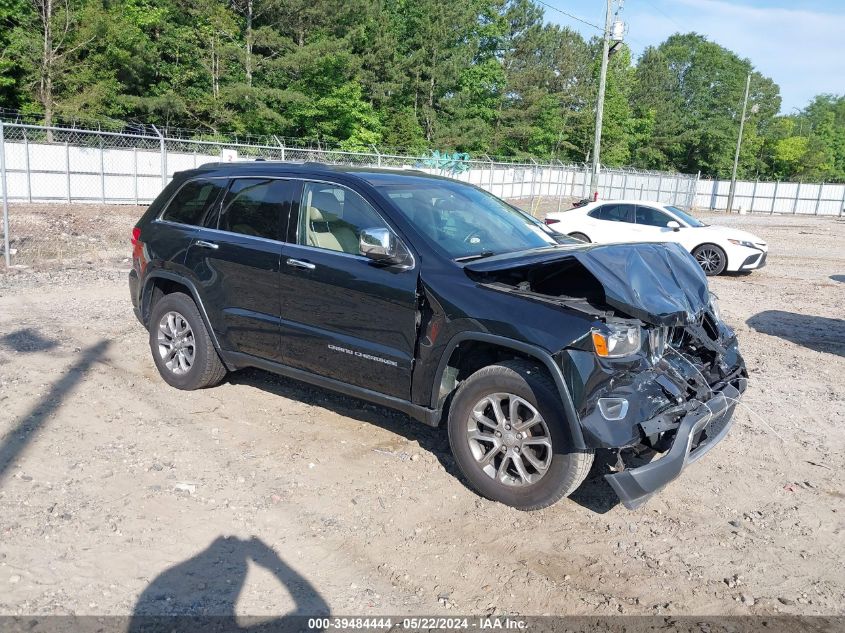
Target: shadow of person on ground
20,436
822,334
27,340
203,591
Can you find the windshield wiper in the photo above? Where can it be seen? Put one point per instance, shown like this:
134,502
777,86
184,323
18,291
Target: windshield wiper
467,258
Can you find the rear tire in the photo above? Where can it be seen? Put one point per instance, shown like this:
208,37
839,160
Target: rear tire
531,422
711,258
580,236
182,349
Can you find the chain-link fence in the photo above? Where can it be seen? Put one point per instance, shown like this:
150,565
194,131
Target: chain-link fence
78,165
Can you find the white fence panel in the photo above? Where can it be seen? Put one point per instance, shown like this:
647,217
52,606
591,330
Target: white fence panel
75,165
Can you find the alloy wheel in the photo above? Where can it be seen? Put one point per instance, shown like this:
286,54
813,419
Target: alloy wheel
509,439
176,345
709,259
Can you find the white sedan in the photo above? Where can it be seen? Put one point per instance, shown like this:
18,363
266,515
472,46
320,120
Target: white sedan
716,248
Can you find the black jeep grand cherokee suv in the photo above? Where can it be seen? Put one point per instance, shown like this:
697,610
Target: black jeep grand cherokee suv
434,297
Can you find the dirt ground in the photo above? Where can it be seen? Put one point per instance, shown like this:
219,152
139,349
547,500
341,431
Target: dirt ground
120,495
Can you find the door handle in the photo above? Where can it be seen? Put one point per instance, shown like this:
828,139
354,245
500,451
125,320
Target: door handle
204,244
298,263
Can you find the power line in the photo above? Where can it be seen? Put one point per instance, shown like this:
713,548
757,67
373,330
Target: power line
569,15
666,15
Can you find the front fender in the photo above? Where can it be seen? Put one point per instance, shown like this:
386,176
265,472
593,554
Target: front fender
575,438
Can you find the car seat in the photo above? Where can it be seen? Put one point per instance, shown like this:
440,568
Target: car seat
326,229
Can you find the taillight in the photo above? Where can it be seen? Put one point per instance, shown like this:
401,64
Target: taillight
550,221
136,234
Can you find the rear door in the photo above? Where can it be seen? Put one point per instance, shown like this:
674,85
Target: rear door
343,315
235,259
612,222
192,206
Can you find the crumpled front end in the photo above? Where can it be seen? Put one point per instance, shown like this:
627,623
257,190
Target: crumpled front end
677,406
696,431
655,370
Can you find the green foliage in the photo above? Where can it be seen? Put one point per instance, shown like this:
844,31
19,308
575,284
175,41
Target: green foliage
477,76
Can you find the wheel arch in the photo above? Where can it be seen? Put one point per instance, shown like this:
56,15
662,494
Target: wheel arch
711,243
160,283
467,352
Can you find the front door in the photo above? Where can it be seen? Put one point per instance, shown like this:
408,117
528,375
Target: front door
236,262
343,315
652,225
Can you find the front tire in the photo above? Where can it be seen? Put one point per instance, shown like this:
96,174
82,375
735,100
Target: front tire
711,258
182,349
507,431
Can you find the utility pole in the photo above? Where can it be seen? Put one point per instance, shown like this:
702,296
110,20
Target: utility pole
732,189
594,178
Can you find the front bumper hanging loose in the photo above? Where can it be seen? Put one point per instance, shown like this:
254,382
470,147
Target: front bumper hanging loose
715,417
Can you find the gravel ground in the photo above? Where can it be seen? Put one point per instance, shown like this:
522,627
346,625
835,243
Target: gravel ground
120,495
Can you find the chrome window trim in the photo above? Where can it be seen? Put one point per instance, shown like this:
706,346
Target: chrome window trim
221,232
159,219
410,266
317,249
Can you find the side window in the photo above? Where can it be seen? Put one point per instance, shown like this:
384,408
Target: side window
613,213
254,206
332,217
193,202
652,217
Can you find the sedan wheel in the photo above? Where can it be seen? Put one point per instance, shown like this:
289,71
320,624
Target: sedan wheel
711,258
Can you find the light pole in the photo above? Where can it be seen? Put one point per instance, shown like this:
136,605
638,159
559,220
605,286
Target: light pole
732,189
594,177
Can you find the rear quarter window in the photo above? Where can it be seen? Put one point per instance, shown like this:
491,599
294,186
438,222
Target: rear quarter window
193,202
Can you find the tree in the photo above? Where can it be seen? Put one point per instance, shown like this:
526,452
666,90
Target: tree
694,89
48,39
482,76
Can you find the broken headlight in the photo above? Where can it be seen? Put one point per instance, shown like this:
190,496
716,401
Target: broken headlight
616,340
657,340
714,306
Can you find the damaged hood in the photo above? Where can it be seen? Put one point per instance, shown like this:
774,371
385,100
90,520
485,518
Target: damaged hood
659,284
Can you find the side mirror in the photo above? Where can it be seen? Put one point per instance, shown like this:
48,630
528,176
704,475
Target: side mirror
379,245
671,224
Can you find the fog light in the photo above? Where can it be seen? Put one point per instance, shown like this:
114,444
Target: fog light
613,408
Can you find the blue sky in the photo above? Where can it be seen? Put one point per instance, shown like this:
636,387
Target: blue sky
799,44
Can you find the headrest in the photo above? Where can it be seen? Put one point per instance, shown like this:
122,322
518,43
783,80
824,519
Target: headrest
315,215
326,202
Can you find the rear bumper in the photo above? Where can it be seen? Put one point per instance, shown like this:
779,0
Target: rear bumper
699,431
133,293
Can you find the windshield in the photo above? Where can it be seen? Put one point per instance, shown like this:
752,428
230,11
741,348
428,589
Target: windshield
686,217
467,222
